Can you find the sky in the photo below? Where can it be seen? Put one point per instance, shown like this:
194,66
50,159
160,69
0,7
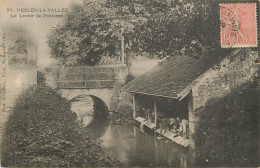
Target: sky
38,28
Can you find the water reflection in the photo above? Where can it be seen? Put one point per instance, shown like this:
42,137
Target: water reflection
135,148
83,107
99,125
128,143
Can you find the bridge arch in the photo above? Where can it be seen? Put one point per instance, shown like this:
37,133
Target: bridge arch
92,112
102,95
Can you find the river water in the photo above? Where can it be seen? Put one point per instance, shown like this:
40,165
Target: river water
135,148
127,143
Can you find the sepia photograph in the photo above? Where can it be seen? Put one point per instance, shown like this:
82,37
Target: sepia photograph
129,83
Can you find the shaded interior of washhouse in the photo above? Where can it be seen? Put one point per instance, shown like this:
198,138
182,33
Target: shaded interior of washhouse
161,108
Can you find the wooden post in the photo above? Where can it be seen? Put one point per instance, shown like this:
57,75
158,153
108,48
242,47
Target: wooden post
155,114
134,111
122,43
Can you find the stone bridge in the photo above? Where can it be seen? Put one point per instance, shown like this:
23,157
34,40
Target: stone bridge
103,82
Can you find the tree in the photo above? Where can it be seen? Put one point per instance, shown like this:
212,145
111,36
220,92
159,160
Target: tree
191,29
90,32
93,31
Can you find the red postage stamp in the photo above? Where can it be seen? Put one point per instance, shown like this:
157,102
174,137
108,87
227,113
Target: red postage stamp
238,25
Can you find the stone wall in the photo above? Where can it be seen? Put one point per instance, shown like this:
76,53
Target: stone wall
234,71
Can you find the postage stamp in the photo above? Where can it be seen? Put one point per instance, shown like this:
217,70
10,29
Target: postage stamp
238,25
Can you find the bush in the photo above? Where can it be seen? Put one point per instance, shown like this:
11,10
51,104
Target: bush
227,132
43,131
124,114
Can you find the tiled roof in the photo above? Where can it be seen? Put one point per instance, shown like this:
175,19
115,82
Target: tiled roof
171,77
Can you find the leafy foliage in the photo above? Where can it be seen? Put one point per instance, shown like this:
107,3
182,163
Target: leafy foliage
93,31
191,29
124,114
83,38
228,130
42,131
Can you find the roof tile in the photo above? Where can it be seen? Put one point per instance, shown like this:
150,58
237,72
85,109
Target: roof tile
171,77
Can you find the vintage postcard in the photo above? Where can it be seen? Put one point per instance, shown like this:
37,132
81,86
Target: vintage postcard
129,83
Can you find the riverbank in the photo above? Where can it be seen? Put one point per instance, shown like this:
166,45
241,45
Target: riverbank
42,131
